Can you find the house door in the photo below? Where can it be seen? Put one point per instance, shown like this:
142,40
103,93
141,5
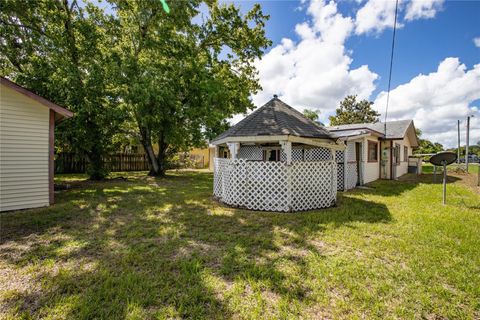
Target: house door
358,157
395,160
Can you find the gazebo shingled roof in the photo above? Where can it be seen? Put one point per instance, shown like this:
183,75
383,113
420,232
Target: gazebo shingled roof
276,118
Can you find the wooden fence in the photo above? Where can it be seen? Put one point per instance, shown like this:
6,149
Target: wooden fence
73,163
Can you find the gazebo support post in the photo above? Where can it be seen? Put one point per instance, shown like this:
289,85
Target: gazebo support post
217,151
233,147
287,148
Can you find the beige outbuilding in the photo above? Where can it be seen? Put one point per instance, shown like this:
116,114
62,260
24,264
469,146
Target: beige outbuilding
27,124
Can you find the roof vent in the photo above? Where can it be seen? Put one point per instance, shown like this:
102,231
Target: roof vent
275,96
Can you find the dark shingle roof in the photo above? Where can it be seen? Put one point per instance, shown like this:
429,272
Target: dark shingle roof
276,118
395,129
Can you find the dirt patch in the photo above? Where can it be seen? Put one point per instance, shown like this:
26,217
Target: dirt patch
195,247
468,179
19,290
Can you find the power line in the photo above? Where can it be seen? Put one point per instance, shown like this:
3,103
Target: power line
391,66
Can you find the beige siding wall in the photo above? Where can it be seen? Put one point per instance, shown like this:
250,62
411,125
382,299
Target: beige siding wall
371,171
402,168
24,129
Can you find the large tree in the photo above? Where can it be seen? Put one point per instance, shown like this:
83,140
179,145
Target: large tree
311,114
426,146
179,78
60,50
352,111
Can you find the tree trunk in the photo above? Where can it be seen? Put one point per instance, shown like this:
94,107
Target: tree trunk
146,140
162,156
155,169
96,167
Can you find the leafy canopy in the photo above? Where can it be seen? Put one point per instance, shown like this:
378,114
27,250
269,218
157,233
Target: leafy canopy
180,79
311,114
168,79
426,146
352,111
61,51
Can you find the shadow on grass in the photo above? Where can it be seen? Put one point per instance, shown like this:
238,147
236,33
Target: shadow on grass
406,182
148,247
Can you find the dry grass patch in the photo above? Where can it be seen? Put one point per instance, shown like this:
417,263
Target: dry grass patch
146,248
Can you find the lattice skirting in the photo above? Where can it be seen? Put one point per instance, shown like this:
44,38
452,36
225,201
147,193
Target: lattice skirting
276,186
340,182
351,175
248,152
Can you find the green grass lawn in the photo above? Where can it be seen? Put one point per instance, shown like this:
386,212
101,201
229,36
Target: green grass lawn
472,167
162,248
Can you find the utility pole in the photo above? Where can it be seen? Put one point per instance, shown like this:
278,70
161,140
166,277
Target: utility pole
458,151
468,139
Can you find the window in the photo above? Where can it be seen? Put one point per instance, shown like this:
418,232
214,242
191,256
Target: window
397,153
372,151
271,155
405,153
223,152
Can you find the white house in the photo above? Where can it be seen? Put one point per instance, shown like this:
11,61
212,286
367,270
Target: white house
377,150
276,159
27,124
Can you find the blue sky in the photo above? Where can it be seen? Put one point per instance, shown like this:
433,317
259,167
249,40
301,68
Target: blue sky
324,50
434,38
420,45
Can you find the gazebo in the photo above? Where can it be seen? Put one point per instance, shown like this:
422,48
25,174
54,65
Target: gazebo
276,159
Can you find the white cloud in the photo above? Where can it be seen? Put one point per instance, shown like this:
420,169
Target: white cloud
315,72
378,15
435,101
476,41
422,9
375,16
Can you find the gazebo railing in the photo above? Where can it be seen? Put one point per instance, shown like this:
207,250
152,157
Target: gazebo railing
275,186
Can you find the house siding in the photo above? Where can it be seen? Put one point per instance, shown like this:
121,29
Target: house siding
24,151
402,168
385,158
370,169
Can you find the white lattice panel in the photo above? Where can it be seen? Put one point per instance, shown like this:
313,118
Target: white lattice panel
351,155
351,175
318,154
340,176
267,186
275,186
250,153
234,183
256,153
297,155
313,184
219,169
340,156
